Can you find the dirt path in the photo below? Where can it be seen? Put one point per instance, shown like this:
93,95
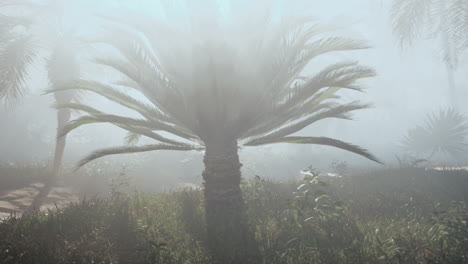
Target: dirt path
17,201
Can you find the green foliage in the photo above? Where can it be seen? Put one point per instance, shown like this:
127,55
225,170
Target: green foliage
455,229
17,53
197,90
312,221
20,43
309,225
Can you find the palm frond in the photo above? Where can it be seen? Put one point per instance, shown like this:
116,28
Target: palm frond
148,124
336,112
444,19
323,46
228,80
409,18
457,25
113,95
443,132
16,56
130,149
311,96
335,77
140,126
321,141
142,80
77,107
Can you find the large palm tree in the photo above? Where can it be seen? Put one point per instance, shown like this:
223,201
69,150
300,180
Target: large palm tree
445,20
214,87
20,45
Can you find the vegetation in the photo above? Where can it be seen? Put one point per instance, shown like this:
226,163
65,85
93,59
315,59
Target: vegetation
444,132
215,80
197,91
444,20
312,221
20,50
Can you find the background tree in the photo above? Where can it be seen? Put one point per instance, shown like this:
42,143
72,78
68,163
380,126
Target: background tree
17,52
215,84
62,66
446,20
23,39
443,132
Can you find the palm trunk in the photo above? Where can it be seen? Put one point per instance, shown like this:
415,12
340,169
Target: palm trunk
452,88
230,238
450,61
63,116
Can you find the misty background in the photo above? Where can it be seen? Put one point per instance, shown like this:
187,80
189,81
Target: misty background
411,83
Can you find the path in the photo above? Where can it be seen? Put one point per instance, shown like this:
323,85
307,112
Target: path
17,201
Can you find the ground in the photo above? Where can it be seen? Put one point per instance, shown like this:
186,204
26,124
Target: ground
17,201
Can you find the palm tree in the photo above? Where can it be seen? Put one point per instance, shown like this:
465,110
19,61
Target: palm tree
19,51
62,66
443,132
446,20
214,87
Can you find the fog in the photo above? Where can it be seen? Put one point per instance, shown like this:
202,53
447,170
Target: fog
411,82
233,131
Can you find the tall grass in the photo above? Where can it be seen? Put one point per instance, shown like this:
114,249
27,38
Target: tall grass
313,221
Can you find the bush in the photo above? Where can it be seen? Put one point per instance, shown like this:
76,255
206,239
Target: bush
307,222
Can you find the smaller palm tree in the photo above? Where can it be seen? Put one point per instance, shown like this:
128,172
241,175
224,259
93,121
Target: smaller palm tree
20,45
62,66
443,132
18,52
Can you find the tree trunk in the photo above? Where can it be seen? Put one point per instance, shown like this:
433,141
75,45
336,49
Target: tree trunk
230,237
452,88
451,59
63,116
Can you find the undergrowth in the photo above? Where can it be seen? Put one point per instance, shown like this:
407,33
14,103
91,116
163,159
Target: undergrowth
314,221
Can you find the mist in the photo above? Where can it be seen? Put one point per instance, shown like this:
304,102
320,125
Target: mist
402,93
219,59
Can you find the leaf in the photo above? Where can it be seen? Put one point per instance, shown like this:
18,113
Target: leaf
17,55
335,112
409,18
112,94
444,131
323,141
131,149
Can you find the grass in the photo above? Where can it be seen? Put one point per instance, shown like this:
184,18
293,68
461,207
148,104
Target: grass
313,221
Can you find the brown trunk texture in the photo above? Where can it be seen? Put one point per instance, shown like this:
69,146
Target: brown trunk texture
63,116
230,238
